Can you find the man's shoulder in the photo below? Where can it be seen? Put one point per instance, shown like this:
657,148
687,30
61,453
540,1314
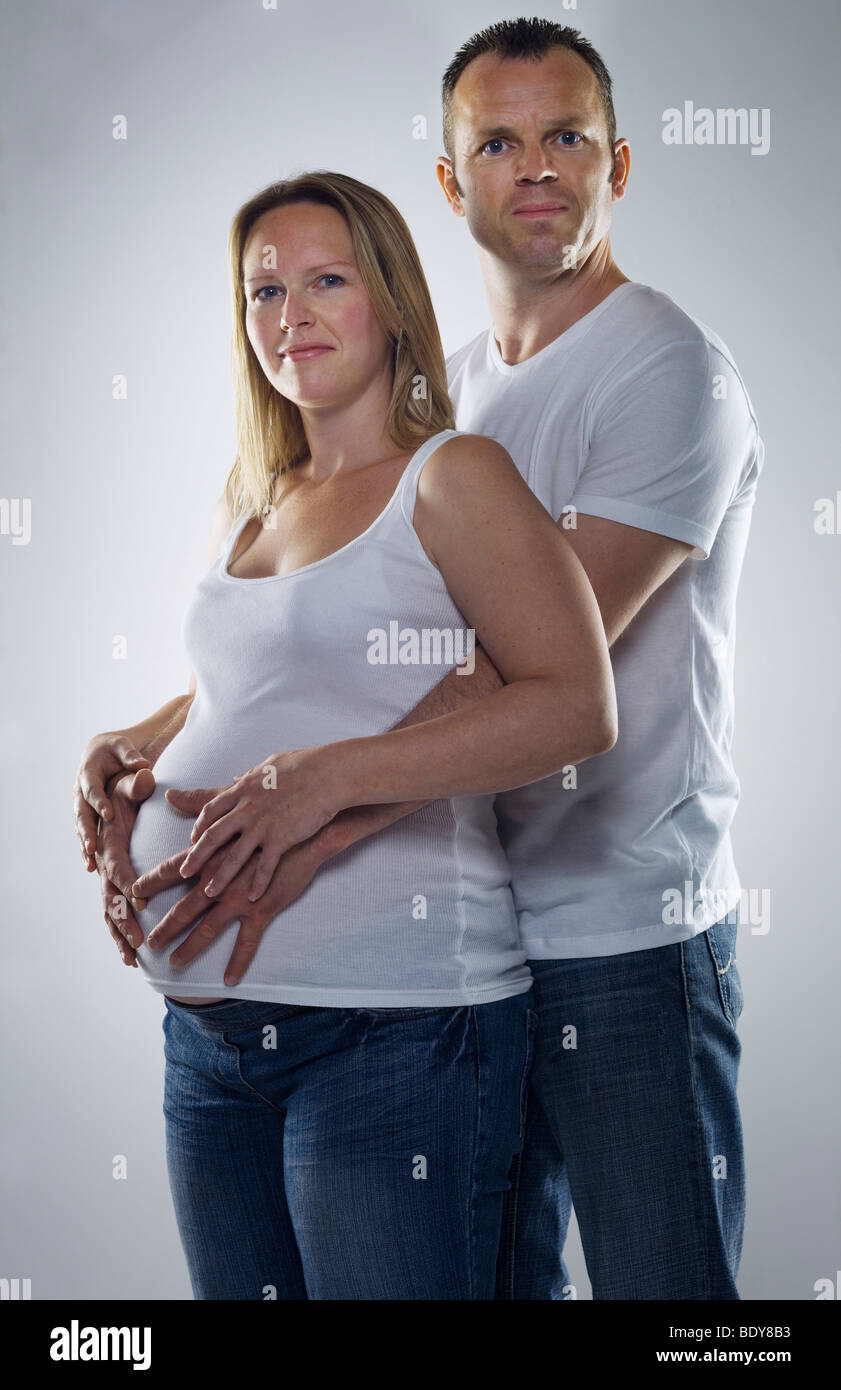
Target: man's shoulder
686,343
653,319
665,324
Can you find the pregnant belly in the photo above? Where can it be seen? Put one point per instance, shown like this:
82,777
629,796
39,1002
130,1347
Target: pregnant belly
159,832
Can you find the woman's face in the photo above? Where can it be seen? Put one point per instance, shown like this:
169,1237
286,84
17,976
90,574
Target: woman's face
308,315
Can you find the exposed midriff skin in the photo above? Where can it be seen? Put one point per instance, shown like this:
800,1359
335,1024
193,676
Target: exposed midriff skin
178,1000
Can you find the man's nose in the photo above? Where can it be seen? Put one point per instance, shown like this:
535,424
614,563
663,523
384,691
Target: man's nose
534,165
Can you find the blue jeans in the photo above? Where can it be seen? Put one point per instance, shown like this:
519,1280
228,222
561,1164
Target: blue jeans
632,1118
326,1153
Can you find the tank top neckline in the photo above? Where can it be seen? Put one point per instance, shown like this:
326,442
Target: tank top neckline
225,558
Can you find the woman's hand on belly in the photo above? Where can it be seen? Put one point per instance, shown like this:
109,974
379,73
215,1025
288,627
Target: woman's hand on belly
280,803
294,873
116,872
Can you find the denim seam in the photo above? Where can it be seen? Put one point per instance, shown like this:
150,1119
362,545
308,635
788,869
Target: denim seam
253,1089
515,1202
510,1254
477,1125
699,1135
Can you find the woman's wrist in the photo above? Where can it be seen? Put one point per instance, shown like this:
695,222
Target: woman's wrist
342,771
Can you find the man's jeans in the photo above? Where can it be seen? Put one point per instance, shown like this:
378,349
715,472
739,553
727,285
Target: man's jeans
326,1153
632,1119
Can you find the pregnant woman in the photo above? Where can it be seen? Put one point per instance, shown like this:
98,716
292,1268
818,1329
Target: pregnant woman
341,1118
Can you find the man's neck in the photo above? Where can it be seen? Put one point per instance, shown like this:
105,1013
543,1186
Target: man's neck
531,307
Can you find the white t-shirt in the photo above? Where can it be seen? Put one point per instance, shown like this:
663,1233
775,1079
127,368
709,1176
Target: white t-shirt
638,414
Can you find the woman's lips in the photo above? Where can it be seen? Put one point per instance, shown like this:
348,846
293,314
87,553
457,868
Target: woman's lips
301,353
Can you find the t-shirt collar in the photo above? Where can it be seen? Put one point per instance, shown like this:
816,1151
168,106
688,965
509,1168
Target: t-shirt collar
563,341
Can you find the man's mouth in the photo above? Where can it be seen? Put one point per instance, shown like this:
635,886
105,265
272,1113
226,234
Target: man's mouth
540,209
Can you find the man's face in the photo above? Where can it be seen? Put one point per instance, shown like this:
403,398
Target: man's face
532,158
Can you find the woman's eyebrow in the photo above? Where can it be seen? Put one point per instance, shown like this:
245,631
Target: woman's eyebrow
258,275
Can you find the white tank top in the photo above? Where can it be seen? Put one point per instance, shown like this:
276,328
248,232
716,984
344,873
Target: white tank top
420,913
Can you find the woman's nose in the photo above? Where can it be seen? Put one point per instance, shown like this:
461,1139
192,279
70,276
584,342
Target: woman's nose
294,315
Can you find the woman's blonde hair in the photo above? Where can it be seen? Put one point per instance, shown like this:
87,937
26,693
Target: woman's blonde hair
269,429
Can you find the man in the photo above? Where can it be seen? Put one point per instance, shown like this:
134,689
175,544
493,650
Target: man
614,403
631,423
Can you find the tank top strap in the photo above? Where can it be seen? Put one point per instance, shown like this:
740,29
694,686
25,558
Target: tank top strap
232,537
411,477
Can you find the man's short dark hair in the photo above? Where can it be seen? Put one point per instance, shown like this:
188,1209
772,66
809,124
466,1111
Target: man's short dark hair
527,38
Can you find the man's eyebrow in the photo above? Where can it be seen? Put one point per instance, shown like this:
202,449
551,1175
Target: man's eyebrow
488,132
310,270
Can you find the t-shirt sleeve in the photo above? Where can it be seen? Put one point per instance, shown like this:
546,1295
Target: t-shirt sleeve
672,442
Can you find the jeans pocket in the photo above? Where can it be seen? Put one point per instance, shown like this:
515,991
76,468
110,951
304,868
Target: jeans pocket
721,944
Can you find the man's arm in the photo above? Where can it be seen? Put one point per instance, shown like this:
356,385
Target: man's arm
625,566
450,694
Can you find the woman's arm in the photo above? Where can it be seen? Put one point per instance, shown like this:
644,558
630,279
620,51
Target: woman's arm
517,580
520,586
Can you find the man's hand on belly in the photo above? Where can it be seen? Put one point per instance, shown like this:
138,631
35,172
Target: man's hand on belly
294,873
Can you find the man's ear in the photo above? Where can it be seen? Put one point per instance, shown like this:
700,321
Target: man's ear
447,179
622,154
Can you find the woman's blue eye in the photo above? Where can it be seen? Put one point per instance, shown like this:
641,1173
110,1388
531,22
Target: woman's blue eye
267,292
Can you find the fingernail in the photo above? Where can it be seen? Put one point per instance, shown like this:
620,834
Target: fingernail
210,889
230,980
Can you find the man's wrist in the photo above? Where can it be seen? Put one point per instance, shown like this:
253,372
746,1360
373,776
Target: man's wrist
333,837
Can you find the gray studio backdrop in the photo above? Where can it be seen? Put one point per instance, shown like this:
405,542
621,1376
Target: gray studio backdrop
115,254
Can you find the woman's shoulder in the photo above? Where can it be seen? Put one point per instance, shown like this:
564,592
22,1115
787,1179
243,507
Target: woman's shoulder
466,472
466,464
472,452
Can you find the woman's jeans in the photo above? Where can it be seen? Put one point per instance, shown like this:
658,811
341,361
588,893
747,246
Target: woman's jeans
633,1120
325,1153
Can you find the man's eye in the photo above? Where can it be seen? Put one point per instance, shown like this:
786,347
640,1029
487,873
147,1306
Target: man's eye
496,141
572,134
